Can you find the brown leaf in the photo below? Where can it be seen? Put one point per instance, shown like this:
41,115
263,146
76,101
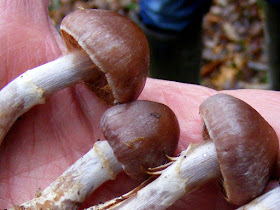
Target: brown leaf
210,67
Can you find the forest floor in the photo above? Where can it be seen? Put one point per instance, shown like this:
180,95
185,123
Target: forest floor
233,36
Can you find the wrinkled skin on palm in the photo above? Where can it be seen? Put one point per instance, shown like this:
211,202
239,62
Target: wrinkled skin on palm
50,137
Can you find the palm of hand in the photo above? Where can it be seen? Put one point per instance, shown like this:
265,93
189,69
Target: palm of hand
50,137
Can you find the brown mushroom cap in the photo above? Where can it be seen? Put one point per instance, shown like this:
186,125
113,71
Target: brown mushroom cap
246,145
141,133
116,45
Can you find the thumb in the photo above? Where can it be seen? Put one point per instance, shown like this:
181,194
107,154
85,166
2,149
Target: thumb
27,39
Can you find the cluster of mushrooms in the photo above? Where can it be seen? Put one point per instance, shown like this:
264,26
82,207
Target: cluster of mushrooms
143,144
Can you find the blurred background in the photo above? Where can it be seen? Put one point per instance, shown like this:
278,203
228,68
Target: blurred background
233,39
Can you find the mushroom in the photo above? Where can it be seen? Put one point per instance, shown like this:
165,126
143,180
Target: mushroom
241,149
106,50
140,134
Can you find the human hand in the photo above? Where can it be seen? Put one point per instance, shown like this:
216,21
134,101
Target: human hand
50,137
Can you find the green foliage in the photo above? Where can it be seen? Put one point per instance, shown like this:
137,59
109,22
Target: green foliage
132,6
54,5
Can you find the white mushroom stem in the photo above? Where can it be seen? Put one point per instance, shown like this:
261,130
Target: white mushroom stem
195,166
80,180
269,200
35,85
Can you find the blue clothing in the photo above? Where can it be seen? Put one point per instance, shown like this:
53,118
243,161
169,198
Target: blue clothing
175,15
172,15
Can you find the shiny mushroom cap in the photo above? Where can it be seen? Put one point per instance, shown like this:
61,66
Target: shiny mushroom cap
246,145
116,45
141,134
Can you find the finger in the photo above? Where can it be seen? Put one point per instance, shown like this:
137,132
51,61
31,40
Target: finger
27,37
264,101
184,100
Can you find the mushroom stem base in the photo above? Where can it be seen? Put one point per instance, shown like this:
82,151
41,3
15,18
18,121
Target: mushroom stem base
70,189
